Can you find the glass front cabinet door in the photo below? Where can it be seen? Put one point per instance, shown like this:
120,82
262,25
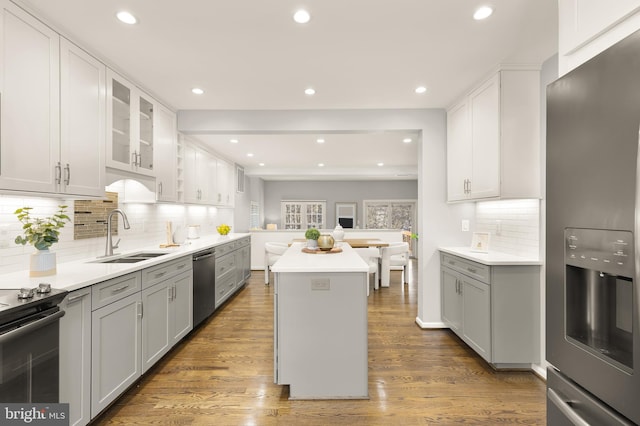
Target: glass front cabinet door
130,115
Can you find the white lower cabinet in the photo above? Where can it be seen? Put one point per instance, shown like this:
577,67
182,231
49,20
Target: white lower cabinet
493,309
476,311
167,316
155,323
451,300
75,356
115,350
182,306
134,321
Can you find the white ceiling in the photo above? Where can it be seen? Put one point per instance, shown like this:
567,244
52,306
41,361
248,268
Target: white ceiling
250,54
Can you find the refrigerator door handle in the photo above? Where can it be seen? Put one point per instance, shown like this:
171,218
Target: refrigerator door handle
566,409
636,231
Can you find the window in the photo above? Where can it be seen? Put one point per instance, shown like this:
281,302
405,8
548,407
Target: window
390,214
303,214
239,179
254,215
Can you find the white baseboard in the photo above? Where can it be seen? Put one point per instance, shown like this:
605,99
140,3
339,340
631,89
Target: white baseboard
423,324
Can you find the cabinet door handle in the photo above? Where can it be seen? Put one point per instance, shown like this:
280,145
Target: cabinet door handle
469,186
140,310
160,188
67,170
58,173
134,158
139,157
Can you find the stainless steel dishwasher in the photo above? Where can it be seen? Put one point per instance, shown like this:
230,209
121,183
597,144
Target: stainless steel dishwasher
204,285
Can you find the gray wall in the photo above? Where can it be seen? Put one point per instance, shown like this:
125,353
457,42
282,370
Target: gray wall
332,192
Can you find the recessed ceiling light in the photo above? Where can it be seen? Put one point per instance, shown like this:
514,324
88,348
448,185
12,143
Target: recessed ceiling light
233,140
301,16
421,89
320,164
250,154
406,140
482,13
261,164
310,91
320,140
197,91
380,164
126,17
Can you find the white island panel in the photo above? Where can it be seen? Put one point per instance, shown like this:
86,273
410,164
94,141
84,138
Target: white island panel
320,324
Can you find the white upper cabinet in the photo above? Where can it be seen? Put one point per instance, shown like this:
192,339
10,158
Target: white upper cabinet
458,149
130,120
207,178
165,152
30,112
493,139
82,124
53,113
587,27
225,194
199,172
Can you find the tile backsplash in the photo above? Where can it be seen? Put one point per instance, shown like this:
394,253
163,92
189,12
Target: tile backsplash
148,227
90,217
514,225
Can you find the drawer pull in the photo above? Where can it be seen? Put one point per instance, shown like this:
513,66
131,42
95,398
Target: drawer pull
451,262
76,297
116,290
181,266
161,274
472,270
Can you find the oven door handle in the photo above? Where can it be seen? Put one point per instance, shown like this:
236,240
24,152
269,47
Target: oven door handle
566,409
32,326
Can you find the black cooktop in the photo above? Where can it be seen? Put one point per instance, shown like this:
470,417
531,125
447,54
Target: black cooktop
16,303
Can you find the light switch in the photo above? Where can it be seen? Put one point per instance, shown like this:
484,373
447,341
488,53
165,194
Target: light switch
465,225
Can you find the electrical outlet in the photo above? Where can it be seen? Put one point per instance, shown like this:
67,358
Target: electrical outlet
320,284
465,225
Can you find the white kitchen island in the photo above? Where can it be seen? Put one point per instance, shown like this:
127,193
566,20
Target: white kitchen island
320,324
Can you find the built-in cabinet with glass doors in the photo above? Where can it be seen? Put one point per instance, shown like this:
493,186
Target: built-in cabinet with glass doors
130,118
303,214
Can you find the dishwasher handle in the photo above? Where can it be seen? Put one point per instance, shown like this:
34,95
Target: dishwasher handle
203,255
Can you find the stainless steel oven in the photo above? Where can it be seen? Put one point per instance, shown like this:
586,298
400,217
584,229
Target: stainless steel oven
29,345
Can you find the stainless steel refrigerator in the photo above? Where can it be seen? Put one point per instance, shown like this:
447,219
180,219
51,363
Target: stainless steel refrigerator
592,265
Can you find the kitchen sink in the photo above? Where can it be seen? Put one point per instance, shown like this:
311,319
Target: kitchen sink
130,258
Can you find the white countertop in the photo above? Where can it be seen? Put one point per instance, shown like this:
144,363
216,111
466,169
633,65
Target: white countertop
295,260
493,258
81,273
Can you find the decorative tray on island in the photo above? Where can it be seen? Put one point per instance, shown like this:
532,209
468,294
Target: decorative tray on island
318,251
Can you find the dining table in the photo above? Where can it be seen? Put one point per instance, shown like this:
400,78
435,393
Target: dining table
356,242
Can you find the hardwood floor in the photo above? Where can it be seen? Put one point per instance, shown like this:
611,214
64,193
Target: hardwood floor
222,374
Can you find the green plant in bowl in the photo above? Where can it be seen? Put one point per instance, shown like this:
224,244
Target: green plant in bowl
312,234
42,233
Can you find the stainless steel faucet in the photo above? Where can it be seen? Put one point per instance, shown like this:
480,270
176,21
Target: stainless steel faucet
110,246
